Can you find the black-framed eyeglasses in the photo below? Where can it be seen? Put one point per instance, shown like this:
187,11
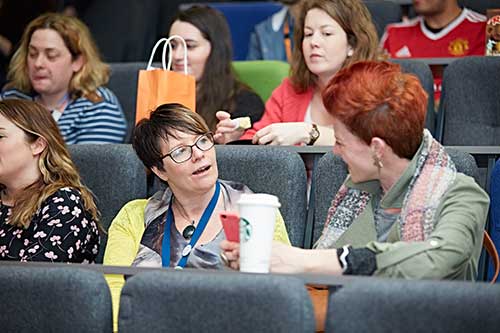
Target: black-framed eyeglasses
183,153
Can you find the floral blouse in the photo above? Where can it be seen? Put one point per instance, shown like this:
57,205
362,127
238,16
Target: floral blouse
61,231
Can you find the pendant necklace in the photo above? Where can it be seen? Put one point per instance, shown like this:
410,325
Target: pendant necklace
189,230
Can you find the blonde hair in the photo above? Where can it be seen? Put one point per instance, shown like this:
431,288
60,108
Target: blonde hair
355,20
55,164
77,38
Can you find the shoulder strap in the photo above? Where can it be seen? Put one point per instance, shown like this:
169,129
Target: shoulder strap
492,252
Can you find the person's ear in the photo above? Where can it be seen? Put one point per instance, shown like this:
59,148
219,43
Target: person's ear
378,147
38,146
160,174
77,64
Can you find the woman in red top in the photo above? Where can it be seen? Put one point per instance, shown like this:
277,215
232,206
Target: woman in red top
332,34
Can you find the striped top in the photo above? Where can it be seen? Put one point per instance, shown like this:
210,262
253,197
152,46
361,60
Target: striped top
83,121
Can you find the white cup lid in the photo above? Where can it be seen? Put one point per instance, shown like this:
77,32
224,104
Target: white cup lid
259,199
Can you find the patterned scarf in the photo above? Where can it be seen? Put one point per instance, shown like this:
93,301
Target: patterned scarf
434,174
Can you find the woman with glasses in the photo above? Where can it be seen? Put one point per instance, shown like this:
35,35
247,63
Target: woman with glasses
178,226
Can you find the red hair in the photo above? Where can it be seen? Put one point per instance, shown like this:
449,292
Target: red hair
375,99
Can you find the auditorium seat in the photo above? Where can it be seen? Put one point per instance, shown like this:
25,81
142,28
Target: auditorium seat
271,170
424,74
331,172
205,301
53,299
391,305
263,76
114,174
383,13
469,109
123,82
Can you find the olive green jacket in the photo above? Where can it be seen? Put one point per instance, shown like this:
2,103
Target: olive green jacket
453,248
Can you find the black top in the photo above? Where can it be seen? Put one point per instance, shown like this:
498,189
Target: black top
248,104
60,231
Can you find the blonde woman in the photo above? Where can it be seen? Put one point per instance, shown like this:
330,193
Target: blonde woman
46,214
57,64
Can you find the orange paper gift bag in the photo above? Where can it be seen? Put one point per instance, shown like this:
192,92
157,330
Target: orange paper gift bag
159,86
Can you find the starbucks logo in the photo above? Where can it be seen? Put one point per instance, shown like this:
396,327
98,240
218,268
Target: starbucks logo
245,230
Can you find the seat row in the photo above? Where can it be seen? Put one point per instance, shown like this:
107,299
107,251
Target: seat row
63,298
262,76
116,176
468,112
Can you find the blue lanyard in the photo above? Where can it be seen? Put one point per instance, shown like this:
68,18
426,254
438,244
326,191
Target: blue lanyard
165,245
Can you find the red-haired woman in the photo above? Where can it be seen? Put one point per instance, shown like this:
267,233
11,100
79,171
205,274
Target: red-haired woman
404,211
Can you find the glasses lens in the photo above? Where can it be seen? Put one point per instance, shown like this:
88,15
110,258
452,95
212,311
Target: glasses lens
205,142
181,154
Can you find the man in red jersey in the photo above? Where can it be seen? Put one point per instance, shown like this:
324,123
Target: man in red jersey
442,29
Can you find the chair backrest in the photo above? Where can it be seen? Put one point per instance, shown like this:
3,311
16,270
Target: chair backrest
469,109
242,17
424,74
263,76
54,299
270,170
376,305
123,82
114,174
383,12
331,173
494,225
202,301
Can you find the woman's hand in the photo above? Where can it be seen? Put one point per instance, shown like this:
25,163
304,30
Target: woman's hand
230,254
283,134
286,259
227,130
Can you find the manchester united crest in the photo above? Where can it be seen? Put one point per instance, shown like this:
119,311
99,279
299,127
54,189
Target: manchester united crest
458,47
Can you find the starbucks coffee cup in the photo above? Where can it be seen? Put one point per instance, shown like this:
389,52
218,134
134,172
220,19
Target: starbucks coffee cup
257,219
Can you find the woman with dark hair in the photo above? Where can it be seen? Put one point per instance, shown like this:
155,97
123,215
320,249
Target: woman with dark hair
328,36
209,56
404,211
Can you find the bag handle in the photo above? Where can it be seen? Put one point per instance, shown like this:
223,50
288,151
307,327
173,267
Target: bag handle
492,251
170,52
167,41
149,66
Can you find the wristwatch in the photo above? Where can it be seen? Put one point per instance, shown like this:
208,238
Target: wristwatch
313,135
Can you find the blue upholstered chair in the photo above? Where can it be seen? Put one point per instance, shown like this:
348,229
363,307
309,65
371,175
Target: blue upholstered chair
270,170
207,301
53,299
469,109
390,305
114,174
424,74
123,82
331,172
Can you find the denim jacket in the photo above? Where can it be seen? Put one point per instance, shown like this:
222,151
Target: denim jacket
266,41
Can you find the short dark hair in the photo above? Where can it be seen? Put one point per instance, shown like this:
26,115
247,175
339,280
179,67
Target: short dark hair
161,125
